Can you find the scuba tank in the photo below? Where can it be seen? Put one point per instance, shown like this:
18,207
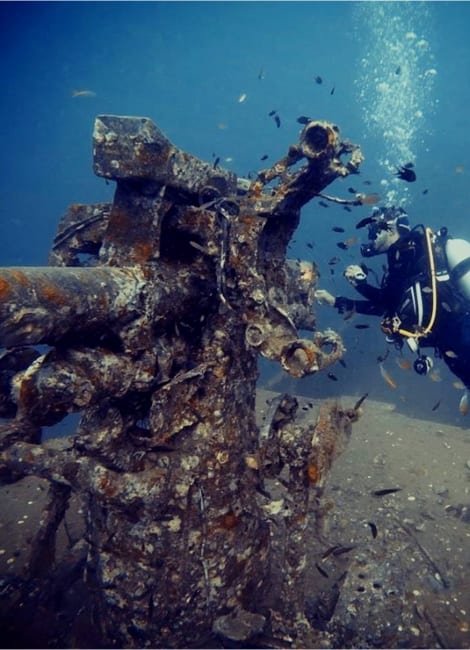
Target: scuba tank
458,260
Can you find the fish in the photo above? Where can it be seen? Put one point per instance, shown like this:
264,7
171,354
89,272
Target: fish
261,74
351,190
350,241
398,69
360,401
321,570
83,93
405,173
342,362
310,244
342,245
404,364
332,376
271,113
265,157
277,119
459,169
323,204
367,182
347,208
318,80
425,191
303,119
216,162
340,550
384,492
387,377
463,404
436,405
242,98
382,358
362,326
337,229
369,199
332,91
435,376
373,529
459,385
334,260
451,354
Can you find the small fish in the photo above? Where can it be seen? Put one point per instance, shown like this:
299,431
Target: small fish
459,169
334,260
271,113
265,157
342,362
451,354
347,208
216,162
323,204
310,244
362,326
321,570
398,69
350,241
340,550
277,119
463,404
385,491
337,229
382,358
342,245
367,182
303,119
406,173
83,93
360,401
332,91
332,376
387,377
242,98
261,74
435,376
373,529
404,364
459,385
436,405
425,191
351,190
368,199
318,80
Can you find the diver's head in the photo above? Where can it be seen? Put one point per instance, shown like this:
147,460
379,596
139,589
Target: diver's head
386,226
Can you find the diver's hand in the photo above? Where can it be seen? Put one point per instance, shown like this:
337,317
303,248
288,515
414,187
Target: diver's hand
325,297
354,274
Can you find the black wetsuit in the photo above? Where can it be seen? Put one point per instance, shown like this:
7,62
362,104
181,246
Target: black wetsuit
406,292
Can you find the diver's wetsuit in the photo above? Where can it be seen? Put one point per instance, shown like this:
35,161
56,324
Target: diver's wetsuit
406,292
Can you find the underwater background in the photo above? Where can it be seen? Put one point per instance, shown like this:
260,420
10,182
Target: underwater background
394,76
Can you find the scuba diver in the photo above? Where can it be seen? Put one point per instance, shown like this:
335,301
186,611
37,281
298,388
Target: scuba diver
424,296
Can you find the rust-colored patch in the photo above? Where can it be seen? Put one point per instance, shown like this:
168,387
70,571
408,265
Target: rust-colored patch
52,294
21,278
230,520
5,288
143,251
106,486
313,473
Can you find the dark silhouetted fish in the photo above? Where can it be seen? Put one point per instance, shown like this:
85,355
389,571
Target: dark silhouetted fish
351,190
265,157
271,113
337,229
323,204
347,208
332,376
277,119
303,119
318,80
406,173
385,491
332,91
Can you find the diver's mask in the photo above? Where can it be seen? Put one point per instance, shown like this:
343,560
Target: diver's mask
386,226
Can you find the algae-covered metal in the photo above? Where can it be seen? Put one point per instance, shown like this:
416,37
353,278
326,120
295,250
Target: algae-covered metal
149,321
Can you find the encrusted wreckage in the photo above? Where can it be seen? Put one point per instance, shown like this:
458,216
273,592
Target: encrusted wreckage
148,322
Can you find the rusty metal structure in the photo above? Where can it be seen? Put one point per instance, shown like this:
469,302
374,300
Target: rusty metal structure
148,322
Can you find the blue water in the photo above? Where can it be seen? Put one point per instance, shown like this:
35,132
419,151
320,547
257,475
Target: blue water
401,79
